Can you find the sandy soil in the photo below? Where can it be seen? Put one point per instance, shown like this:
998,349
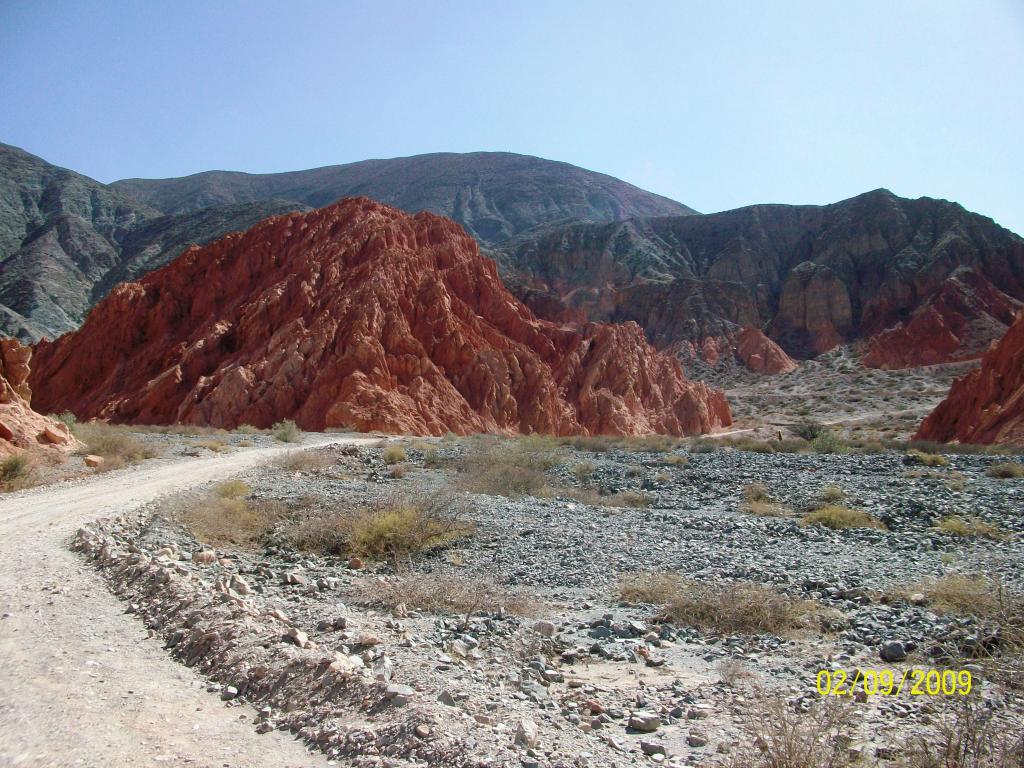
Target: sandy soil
79,684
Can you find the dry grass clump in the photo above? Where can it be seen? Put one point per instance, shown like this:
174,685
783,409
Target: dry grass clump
395,529
286,431
1007,470
115,444
217,446
584,470
433,593
838,518
513,468
393,454
757,500
958,593
232,489
626,499
675,460
828,442
651,587
920,458
16,473
831,494
221,521
967,737
781,737
969,527
304,461
743,608
249,429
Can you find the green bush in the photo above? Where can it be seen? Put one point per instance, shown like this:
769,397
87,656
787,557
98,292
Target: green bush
286,431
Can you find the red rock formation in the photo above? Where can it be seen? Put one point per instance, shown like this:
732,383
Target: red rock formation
956,323
21,428
358,314
986,405
760,354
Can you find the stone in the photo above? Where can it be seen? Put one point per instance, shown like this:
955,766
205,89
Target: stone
652,748
398,694
91,460
239,585
229,693
696,739
645,722
987,404
421,731
416,367
205,557
527,734
545,628
54,435
297,636
892,651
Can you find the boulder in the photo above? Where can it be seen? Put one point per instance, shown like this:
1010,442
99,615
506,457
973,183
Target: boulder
91,460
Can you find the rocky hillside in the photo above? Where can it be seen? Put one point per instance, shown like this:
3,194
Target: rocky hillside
493,195
21,428
359,315
986,405
924,280
66,240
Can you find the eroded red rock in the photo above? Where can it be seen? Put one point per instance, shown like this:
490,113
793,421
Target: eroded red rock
358,315
986,405
21,428
760,354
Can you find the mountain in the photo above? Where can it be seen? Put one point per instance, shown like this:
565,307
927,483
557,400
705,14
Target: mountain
493,195
21,428
986,405
924,280
66,240
358,315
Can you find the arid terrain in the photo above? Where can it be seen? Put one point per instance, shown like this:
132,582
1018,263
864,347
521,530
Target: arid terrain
585,601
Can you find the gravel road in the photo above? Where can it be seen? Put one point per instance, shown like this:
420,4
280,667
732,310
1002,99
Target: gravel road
79,683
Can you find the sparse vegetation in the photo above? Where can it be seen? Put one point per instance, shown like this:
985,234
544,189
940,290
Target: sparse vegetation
433,593
513,468
781,737
808,429
232,489
652,587
757,500
66,417
393,454
217,446
584,470
734,608
286,431
839,517
304,461
828,442
967,737
1006,470
920,458
969,527
221,521
15,472
115,444
397,530
831,494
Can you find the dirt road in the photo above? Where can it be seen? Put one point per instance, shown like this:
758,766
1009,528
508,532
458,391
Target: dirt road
80,684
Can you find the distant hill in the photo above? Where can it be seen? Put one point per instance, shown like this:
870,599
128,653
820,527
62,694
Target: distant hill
493,195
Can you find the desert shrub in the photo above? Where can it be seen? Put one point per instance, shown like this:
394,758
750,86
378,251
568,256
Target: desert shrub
434,593
232,489
652,587
286,431
675,460
781,737
115,444
584,470
393,454
1006,470
248,429
828,442
432,458
648,443
15,472
223,521
217,446
634,470
831,494
513,468
703,446
750,445
398,471
757,492
765,509
66,417
809,429
838,517
593,444
734,608
627,499
324,532
967,736
920,458
969,527
304,461
403,527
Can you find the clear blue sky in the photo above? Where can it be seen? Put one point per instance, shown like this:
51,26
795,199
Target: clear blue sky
715,104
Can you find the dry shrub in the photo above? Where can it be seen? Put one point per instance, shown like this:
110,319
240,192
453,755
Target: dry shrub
433,593
828,442
393,454
675,460
513,468
115,444
584,470
304,461
16,472
1006,470
398,471
967,736
741,607
732,671
831,494
923,459
249,429
757,492
626,499
765,509
217,446
230,521
651,587
232,489
838,518
325,532
286,431
969,527
784,738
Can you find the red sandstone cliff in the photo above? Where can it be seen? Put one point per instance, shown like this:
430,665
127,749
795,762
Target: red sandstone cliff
986,405
358,314
20,426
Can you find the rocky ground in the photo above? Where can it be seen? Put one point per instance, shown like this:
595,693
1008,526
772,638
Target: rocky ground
542,663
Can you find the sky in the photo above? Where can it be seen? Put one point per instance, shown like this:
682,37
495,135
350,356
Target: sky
714,104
